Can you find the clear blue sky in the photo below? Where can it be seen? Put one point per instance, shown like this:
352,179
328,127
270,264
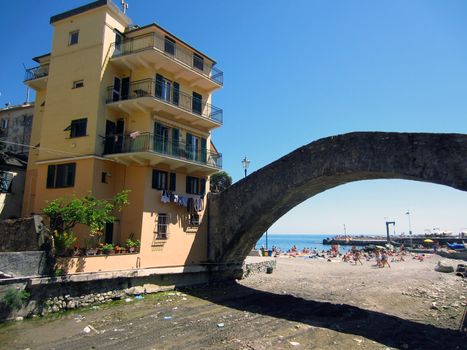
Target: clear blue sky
296,71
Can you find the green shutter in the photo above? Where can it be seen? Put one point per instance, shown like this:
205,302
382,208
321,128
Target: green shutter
51,176
188,184
71,171
202,189
154,178
173,182
203,157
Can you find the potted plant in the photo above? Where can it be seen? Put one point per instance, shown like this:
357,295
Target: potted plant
131,245
108,248
118,249
91,251
99,249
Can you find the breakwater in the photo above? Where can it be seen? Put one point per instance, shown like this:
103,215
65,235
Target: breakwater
398,240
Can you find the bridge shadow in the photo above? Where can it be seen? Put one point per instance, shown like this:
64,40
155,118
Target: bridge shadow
386,329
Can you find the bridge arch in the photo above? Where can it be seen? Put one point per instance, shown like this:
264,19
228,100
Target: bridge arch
242,213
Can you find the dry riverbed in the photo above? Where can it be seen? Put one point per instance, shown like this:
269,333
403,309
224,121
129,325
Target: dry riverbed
304,304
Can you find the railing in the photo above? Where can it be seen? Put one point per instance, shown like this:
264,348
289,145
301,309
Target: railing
170,49
36,72
168,94
148,142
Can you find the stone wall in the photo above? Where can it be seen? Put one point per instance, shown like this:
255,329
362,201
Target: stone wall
25,234
25,263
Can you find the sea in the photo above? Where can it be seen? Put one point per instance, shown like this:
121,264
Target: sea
286,241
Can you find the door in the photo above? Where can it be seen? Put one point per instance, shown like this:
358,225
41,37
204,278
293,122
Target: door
116,89
109,232
119,136
125,88
163,88
197,102
161,138
110,141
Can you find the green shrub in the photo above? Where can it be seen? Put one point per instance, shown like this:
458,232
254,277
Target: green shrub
14,299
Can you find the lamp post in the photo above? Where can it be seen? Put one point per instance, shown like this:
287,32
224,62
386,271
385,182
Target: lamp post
410,228
245,164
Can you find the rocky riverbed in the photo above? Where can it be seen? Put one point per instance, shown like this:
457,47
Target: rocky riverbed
304,304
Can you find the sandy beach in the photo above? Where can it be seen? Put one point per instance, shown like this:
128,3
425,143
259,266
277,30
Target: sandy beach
303,304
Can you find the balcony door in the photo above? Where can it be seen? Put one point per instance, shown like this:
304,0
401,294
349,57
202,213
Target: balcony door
196,148
161,138
163,88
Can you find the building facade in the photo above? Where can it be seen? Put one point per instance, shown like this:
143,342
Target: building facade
15,128
119,107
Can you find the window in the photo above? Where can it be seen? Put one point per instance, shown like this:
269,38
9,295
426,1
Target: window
118,41
78,84
4,124
195,185
78,127
161,180
162,225
198,62
6,178
104,177
61,175
73,38
169,46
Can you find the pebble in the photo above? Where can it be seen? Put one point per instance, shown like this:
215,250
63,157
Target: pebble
294,343
19,318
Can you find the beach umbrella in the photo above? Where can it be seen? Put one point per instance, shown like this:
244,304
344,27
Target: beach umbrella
428,241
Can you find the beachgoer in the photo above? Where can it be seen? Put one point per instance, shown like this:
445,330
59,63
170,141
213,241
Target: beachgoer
384,259
357,257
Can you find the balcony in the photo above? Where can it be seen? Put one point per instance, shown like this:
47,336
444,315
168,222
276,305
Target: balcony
36,77
149,149
155,51
167,100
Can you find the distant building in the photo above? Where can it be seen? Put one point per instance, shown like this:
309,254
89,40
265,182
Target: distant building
12,177
15,128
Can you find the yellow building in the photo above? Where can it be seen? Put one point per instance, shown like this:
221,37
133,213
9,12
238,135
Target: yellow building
120,106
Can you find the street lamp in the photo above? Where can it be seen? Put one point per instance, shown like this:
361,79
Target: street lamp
245,164
410,228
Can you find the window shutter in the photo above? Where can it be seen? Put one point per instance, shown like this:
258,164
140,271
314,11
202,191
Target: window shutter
173,182
203,151
159,81
51,176
189,145
188,184
176,94
202,189
71,170
154,178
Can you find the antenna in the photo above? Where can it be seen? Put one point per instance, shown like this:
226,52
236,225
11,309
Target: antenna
27,87
124,6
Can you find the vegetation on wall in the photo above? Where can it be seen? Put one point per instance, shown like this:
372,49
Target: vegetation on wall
14,298
65,214
220,181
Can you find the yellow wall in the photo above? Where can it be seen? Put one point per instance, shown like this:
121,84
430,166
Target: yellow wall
89,60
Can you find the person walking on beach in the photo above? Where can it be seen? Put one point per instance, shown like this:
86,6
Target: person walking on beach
357,257
377,258
384,259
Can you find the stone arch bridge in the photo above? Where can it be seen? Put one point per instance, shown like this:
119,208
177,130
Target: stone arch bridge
241,214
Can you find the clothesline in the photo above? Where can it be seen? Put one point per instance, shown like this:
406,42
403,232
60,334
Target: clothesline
194,204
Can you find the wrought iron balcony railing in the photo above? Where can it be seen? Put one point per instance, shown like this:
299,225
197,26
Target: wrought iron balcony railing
36,72
166,93
170,49
148,142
